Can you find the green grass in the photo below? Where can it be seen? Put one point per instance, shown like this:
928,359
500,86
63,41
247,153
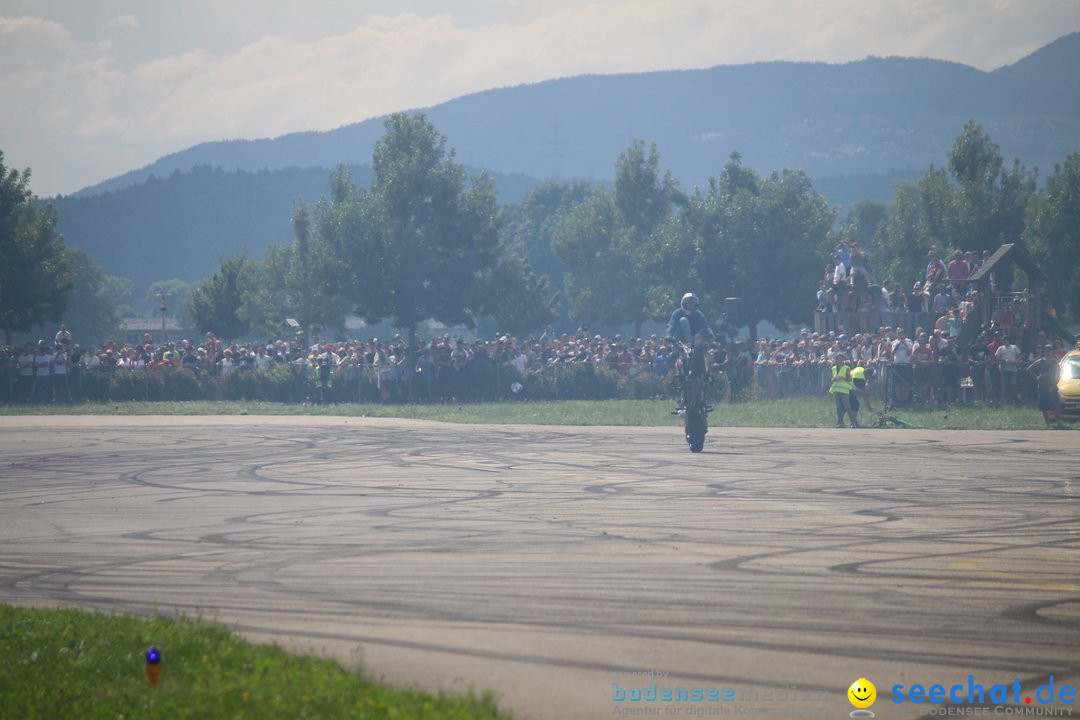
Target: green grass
799,412
81,664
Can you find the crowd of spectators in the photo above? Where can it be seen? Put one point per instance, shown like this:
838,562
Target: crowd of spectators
48,371
945,290
927,365
948,296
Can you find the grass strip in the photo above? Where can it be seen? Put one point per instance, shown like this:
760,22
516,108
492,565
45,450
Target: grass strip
63,663
801,412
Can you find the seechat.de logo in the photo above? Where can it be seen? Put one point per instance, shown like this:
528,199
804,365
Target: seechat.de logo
975,693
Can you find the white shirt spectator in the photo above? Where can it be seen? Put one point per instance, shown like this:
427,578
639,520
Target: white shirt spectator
26,364
840,274
1009,357
901,351
44,363
519,361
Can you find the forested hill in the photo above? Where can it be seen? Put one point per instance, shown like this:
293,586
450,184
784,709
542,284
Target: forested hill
871,117
181,225
1049,66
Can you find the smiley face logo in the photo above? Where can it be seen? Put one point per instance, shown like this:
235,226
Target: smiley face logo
862,693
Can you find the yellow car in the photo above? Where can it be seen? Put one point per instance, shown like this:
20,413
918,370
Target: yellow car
1069,385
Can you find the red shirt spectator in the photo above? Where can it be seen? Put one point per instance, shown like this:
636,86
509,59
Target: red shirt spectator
935,268
958,269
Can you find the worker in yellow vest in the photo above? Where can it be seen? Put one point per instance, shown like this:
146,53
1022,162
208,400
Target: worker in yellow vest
841,390
858,379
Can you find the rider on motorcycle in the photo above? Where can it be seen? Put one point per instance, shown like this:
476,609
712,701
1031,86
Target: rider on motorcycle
698,324
688,309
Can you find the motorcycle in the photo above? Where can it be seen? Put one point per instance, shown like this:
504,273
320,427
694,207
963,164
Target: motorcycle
693,378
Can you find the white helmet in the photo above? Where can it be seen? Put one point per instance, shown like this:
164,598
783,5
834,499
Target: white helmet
689,298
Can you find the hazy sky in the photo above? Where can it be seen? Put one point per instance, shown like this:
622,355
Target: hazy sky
92,88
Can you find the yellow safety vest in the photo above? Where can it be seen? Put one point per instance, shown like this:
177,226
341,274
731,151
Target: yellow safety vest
859,373
840,382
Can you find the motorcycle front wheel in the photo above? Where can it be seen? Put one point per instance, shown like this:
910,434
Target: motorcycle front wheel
696,426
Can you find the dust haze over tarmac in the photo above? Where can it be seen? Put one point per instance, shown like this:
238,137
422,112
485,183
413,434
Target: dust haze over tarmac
550,564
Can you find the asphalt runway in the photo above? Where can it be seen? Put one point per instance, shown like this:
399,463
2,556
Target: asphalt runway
550,564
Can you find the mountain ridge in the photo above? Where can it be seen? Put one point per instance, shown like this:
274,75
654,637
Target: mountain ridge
789,116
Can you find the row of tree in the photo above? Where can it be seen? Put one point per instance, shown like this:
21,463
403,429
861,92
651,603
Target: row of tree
424,241
978,202
421,242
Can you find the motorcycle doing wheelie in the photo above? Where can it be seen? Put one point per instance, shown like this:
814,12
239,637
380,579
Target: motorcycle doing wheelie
692,372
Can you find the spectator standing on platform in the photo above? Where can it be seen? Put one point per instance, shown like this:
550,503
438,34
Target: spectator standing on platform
840,272
935,269
63,337
824,300
884,303
956,323
916,301
843,251
941,302
899,300
958,270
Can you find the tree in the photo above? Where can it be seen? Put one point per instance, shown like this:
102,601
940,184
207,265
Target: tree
920,219
296,281
423,241
977,204
521,300
713,221
589,243
215,302
761,240
36,270
791,225
990,199
526,230
98,301
1053,235
608,242
643,197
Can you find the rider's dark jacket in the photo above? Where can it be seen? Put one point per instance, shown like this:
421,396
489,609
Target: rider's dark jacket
698,324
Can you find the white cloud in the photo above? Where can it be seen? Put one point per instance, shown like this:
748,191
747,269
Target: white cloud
105,117
123,21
